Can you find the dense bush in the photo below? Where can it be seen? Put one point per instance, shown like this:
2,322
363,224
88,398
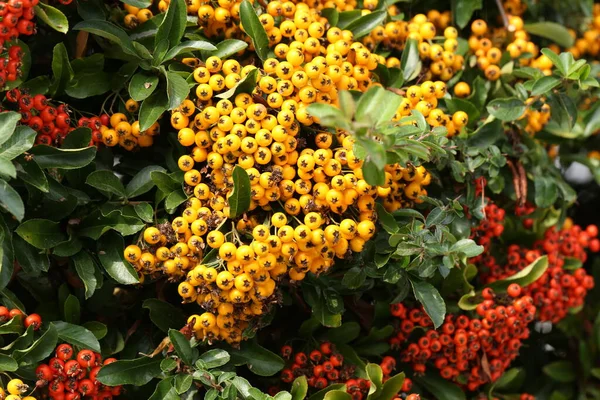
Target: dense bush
337,200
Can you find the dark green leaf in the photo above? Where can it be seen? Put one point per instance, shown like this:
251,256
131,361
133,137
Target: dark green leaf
365,24
337,395
487,134
39,350
544,85
144,211
239,200
52,157
561,371
152,108
177,89
135,372
410,62
142,85
72,310
354,277
164,315
110,253
191,45
431,300
215,358
8,123
259,360
106,181
14,325
440,388
254,29
8,364
41,233
468,247
142,182
546,191
173,25
463,11
226,48
84,265
77,336
88,84
558,33
11,201
108,31
21,140
391,387
61,69
30,259
182,346
506,109
98,329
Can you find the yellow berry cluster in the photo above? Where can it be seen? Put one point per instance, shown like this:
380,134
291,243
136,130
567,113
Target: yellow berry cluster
440,55
127,134
136,16
537,115
589,43
16,390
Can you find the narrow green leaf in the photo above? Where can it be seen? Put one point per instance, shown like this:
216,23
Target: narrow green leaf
259,360
106,181
52,157
182,346
76,335
84,265
431,300
526,276
41,233
506,109
544,85
463,11
561,371
142,85
189,46
21,140
173,25
8,364
252,26
410,62
177,89
558,33
152,108
61,69
39,350
299,388
164,315
135,372
11,201
8,123
239,199
142,181
365,24
108,31
226,48
110,253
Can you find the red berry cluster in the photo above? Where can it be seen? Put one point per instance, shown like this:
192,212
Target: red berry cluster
458,346
69,378
95,124
325,366
52,123
490,227
30,320
15,20
557,290
523,211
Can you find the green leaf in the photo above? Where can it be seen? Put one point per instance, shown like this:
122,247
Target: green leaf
254,29
557,33
78,139
299,388
487,134
373,174
226,48
21,140
97,328
165,390
259,360
510,380
11,201
52,157
332,15
440,388
61,69
177,89
354,277
110,253
175,199
190,45
84,265
561,371
411,62
391,387
182,346
544,85
365,24
506,109
377,106
214,358
546,191
468,247
106,181
463,11
246,85
239,199
41,233
77,336
556,61
320,395
8,364
8,123
152,108
14,325
337,395
39,350
164,182
173,24
72,309
144,211
142,85
108,31
431,300
345,333
31,259
88,84
32,174
142,181
138,3
526,276
183,382
164,315
135,372
375,376
53,17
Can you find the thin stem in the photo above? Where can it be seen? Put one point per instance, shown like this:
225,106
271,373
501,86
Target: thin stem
507,24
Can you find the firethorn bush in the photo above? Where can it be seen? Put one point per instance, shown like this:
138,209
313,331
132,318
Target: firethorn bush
289,200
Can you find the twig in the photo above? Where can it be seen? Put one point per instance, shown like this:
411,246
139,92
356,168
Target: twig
507,24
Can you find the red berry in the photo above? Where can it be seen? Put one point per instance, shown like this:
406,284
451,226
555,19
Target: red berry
33,320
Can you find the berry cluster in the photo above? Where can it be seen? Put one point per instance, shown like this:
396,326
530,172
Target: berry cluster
325,366
69,378
490,227
30,320
16,17
52,123
439,56
457,347
16,390
118,129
